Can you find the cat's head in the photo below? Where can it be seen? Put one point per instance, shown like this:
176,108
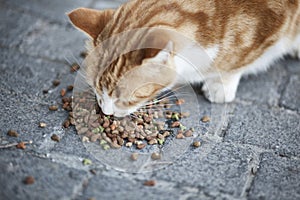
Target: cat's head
133,78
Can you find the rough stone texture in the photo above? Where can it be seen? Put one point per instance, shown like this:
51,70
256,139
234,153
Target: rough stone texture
223,167
274,128
249,150
52,180
279,175
291,96
263,88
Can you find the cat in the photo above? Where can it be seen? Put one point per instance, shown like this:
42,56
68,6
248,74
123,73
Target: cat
239,36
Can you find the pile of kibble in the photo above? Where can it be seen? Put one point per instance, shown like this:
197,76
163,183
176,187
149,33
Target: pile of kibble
148,126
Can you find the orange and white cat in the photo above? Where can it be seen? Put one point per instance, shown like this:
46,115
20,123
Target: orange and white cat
239,37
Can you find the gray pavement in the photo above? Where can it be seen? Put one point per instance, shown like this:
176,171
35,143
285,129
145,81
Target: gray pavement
250,150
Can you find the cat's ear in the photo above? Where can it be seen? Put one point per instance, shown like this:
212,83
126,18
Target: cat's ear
90,21
164,55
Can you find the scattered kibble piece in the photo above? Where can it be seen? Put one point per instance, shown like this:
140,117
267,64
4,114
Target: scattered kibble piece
180,136
134,156
74,67
66,123
205,119
21,145
29,180
53,108
188,133
63,92
155,156
55,82
86,161
12,133
70,87
83,54
42,124
196,144
55,138
150,183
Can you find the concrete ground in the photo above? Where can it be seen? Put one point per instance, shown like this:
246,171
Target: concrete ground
253,154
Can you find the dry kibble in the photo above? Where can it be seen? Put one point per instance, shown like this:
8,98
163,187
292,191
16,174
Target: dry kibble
55,82
83,54
66,123
70,87
196,144
155,156
53,108
63,92
179,136
141,130
150,183
188,133
74,67
205,119
141,146
21,145
175,124
12,133
29,180
42,124
134,156
55,138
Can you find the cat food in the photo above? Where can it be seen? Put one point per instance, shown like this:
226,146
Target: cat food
74,67
196,144
55,82
21,145
150,183
55,138
12,133
86,161
139,130
134,156
42,124
29,180
205,119
63,92
155,156
70,87
53,108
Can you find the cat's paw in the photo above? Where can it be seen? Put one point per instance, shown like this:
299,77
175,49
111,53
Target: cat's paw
216,93
221,89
